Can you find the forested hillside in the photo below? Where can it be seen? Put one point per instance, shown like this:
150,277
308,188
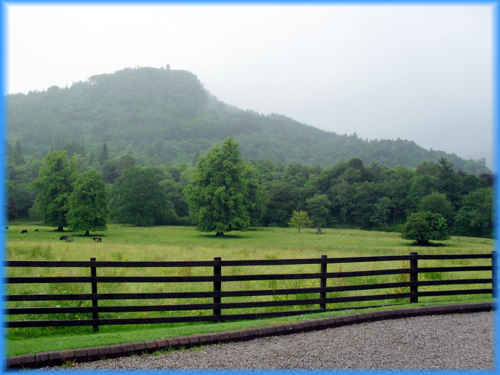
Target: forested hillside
164,116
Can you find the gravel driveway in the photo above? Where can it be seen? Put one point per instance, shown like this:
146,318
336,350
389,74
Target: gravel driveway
455,341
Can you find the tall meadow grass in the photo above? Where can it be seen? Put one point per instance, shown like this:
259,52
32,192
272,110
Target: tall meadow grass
126,243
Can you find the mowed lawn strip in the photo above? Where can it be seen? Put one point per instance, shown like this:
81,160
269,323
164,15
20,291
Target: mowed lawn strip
147,333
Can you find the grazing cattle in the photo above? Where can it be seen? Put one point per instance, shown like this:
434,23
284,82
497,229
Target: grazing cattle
24,231
97,239
66,238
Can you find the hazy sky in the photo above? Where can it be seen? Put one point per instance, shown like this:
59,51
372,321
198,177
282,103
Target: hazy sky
417,72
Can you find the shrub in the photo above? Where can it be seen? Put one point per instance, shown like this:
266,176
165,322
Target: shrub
424,226
300,219
439,204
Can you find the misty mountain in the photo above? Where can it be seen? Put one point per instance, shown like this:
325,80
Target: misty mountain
167,116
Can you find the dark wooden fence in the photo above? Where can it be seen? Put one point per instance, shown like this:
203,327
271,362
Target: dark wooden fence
217,279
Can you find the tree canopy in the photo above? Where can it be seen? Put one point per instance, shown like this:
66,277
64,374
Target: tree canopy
348,194
438,203
88,209
475,217
54,186
139,199
300,219
425,226
216,194
318,206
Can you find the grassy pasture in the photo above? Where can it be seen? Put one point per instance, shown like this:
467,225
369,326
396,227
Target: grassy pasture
126,243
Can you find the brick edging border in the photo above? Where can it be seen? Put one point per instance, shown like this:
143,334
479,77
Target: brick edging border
90,354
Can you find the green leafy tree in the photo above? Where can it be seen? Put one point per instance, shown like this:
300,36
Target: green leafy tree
365,199
175,199
475,217
425,226
19,201
176,179
139,198
11,202
319,207
112,170
104,155
382,212
18,156
420,186
88,208
438,203
469,183
342,197
282,199
428,168
299,220
54,186
20,195
216,195
397,187
449,182
255,197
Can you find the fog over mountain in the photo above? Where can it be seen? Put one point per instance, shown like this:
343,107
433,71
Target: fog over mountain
418,72
167,116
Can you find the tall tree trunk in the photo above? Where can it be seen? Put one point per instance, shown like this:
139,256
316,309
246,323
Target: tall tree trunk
87,233
60,228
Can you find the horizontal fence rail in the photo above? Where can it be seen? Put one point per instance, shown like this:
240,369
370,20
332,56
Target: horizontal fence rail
402,291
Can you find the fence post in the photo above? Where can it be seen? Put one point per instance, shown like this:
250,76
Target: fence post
95,314
413,277
324,265
217,288
493,273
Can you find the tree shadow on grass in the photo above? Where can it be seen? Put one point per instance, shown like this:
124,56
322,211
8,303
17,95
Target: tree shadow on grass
226,236
430,244
90,236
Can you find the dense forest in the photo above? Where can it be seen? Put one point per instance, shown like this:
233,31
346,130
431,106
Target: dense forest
165,116
348,194
134,139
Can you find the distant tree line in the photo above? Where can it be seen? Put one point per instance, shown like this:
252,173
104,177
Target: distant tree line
260,193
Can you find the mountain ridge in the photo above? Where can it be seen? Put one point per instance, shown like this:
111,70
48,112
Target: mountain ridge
161,115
